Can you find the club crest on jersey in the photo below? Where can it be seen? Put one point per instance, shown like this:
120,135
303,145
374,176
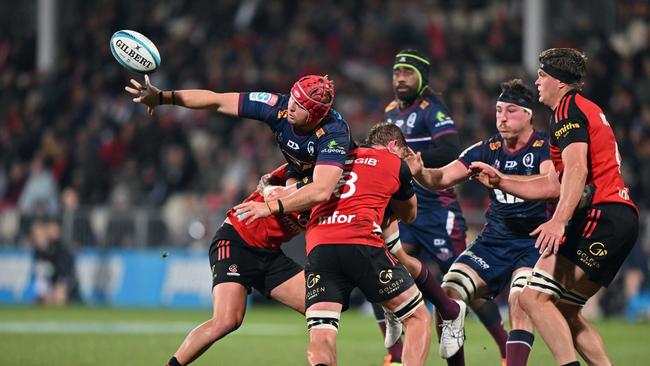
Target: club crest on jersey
528,160
310,148
410,121
232,271
538,143
495,145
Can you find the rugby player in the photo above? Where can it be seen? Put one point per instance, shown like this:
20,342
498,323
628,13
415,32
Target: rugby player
582,248
313,137
245,256
440,227
345,248
503,253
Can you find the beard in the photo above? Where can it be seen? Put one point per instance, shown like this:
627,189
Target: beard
408,95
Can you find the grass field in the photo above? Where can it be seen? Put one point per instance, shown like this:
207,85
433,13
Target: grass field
269,336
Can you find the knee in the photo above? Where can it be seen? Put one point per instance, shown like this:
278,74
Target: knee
220,327
529,301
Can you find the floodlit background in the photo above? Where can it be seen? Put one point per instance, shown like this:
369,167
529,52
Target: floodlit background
88,177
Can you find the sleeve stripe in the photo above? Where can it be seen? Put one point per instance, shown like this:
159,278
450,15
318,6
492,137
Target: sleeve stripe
447,132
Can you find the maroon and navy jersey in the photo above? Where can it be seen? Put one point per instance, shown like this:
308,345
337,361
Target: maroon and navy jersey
269,232
509,217
422,124
577,119
354,212
328,144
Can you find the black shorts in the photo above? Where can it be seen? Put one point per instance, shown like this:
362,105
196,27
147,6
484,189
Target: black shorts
599,238
232,260
333,270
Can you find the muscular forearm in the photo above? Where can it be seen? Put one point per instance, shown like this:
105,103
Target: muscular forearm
206,99
306,197
432,179
573,183
530,188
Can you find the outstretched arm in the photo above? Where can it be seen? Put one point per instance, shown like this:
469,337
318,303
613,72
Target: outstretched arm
542,187
436,179
151,96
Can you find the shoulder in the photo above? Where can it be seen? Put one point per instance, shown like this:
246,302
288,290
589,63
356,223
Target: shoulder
332,126
391,106
270,99
540,139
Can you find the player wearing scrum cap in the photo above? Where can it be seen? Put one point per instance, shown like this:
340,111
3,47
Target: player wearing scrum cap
440,227
313,137
503,253
582,247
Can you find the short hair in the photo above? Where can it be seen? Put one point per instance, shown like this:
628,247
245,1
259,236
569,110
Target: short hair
517,87
382,133
568,60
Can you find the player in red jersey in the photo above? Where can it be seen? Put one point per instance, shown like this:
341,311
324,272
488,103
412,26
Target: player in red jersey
345,248
592,242
245,256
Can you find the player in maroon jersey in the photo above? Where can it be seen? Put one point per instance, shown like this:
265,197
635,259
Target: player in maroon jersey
245,256
591,242
345,248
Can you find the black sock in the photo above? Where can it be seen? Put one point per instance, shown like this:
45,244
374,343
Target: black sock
574,363
173,362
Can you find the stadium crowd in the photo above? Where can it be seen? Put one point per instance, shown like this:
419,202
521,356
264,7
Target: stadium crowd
73,138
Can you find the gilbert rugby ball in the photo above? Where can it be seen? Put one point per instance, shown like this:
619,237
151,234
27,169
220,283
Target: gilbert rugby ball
135,52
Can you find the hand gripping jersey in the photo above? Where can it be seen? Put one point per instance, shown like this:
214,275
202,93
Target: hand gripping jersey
328,144
354,212
422,123
270,232
509,217
577,119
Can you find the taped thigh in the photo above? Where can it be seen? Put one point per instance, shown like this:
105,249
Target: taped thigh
544,282
519,280
461,280
573,297
408,307
323,319
393,242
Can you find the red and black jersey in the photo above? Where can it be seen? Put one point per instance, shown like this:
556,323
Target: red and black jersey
354,212
577,119
270,232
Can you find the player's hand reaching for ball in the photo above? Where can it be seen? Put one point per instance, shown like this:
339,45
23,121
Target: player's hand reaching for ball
146,94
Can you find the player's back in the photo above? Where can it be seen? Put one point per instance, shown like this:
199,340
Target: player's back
354,212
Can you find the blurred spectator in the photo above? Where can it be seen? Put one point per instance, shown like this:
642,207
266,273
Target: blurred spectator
54,269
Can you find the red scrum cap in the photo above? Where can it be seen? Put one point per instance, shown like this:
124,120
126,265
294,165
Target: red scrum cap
315,93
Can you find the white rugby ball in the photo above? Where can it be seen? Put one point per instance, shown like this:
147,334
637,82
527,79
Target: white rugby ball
135,52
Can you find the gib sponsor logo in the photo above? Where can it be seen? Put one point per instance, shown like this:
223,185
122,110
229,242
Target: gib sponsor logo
335,218
133,54
565,129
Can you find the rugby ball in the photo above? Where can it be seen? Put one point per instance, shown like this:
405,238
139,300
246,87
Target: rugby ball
135,52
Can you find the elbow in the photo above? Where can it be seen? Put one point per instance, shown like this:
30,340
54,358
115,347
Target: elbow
410,216
321,195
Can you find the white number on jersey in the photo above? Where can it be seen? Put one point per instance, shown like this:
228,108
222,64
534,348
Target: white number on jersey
504,197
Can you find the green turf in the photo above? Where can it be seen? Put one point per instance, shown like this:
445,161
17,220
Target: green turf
282,343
